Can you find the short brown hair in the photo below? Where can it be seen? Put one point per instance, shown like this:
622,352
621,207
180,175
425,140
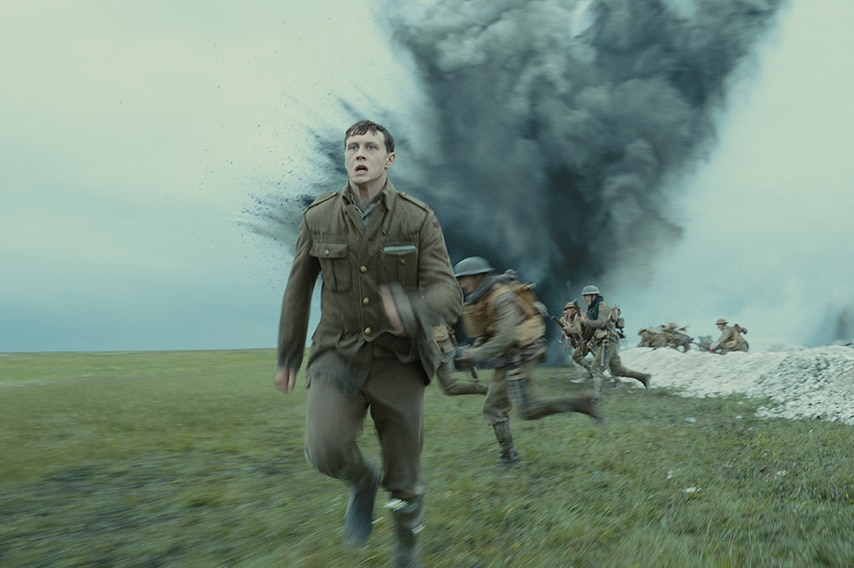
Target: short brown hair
364,126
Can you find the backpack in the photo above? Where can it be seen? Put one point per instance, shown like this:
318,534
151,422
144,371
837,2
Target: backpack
531,329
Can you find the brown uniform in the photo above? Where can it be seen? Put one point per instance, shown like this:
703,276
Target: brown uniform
355,361
497,319
677,337
606,345
729,341
573,334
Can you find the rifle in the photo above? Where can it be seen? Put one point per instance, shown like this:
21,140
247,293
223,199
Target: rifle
703,347
557,321
573,340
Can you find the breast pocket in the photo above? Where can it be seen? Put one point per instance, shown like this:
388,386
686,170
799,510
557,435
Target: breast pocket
334,264
399,263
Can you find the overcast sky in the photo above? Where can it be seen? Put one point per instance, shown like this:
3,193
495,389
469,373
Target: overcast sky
134,134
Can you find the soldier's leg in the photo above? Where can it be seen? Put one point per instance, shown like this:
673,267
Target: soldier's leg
579,359
333,422
496,412
598,365
451,386
409,521
520,388
396,394
618,370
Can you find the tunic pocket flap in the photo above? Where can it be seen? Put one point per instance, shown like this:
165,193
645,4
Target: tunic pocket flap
329,250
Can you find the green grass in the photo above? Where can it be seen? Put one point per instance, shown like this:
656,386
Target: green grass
194,459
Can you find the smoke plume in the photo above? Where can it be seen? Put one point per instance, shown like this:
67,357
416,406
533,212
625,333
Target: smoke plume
556,131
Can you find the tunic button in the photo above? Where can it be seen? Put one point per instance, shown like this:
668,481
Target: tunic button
363,269
367,331
366,301
326,252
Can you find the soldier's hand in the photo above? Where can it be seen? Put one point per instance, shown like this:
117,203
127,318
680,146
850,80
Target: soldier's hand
391,310
285,379
463,359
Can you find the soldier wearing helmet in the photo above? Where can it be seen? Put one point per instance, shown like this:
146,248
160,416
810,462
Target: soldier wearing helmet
730,339
507,325
646,335
601,322
676,337
573,335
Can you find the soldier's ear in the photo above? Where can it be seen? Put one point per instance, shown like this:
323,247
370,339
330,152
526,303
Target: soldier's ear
389,161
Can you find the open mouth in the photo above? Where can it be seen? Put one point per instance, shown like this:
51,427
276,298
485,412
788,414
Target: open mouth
361,168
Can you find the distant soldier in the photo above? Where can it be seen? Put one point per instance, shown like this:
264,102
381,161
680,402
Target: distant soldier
507,324
647,337
657,337
730,339
446,374
573,335
677,337
602,322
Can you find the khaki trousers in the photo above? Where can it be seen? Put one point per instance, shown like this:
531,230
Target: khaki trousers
394,395
498,404
608,358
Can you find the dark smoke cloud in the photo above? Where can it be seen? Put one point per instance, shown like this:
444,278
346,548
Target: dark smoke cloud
557,131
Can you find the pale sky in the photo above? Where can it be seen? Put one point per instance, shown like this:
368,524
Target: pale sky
134,134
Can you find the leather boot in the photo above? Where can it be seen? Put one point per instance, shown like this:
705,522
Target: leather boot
359,518
408,519
466,387
647,377
505,442
642,377
585,404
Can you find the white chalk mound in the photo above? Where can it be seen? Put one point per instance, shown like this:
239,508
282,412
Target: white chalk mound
803,382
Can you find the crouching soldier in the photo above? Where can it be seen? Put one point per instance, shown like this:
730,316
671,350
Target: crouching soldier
730,339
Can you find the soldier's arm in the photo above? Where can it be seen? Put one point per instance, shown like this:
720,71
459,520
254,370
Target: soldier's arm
296,303
437,286
719,341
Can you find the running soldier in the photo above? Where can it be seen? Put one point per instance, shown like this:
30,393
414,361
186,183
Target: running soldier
508,328
573,335
602,322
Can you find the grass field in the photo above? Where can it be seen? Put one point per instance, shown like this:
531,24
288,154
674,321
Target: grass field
194,459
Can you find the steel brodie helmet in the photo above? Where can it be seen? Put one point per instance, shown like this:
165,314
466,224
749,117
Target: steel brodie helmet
471,266
588,290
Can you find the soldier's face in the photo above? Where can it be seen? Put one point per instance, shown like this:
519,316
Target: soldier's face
366,158
588,298
468,283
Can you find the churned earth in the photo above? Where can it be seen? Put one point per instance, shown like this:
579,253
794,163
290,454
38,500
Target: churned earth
801,382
